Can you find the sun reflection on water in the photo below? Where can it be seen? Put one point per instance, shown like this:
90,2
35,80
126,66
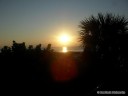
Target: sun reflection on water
64,49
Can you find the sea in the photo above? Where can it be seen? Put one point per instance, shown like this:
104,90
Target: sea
69,49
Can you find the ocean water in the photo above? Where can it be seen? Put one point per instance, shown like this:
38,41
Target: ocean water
73,49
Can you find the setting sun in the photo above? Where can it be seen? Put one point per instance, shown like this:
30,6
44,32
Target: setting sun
64,49
64,38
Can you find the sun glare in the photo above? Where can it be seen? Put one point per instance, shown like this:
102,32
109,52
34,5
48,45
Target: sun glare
64,50
64,38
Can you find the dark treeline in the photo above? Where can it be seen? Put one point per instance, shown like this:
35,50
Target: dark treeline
25,67
28,70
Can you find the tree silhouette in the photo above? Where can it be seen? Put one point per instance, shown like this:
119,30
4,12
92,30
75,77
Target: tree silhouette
30,47
104,39
38,49
6,50
48,48
18,48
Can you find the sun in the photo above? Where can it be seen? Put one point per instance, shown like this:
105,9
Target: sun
64,38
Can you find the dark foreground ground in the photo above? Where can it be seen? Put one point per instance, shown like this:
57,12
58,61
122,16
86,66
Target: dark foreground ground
51,74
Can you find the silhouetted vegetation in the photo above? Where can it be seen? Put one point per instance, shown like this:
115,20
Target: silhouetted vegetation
104,39
102,66
40,70
25,67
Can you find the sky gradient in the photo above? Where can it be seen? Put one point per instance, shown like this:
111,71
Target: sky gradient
41,21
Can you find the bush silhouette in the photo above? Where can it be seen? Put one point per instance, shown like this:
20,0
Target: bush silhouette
6,50
25,65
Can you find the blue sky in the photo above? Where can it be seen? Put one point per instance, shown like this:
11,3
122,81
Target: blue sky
41,21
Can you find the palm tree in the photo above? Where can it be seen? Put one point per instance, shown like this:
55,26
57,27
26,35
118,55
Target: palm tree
103,28
104,39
